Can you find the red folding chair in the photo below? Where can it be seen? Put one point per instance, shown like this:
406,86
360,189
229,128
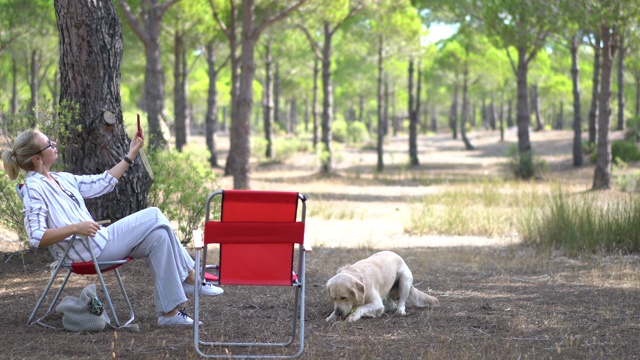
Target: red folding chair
92,267
256,235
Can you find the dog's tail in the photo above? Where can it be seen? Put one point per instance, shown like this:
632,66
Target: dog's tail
420,299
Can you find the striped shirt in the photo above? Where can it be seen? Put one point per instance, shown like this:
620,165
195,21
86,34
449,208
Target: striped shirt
46,206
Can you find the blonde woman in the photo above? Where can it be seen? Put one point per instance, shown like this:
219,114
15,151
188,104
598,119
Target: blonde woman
54,211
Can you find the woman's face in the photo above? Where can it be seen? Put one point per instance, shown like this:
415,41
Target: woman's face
48,152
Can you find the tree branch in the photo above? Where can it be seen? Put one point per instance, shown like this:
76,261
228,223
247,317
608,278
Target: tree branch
133,22
222,25
270,21
315,48
351,13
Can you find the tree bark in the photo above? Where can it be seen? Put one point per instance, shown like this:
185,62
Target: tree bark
602,173
595,91
465,107
523,118
268,102
413,115
211,117
327,101
380,142
453,112
316,124
180,90
535,102
91,47
621,103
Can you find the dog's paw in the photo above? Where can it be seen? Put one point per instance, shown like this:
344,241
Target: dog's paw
401,311
353,317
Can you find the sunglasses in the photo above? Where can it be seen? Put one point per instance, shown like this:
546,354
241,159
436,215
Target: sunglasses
52,144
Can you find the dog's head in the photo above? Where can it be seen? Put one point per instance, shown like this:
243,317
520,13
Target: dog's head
346,292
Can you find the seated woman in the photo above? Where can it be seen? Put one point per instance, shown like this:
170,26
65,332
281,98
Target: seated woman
54,210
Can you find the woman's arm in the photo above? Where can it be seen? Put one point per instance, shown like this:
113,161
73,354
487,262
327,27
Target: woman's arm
85,228
122,166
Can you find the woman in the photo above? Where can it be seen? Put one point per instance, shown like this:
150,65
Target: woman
54,211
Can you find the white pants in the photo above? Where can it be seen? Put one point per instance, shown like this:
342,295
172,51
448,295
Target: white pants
149,234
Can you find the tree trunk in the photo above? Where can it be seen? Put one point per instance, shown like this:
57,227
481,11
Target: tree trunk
595,91
560,117
385,101
91,46
327,102
510,113
523,119
465,107
149,35
453,112
536,108
180,90
34,85
14,86
268,102
637,112
211,118
293,115
602,173
380,142
240,127
413,116
316,125
621,103
277,116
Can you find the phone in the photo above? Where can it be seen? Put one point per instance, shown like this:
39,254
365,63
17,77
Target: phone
139,133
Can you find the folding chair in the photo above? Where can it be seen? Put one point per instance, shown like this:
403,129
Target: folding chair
92,267
256,237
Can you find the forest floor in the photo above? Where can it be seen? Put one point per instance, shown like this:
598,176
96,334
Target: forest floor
498,298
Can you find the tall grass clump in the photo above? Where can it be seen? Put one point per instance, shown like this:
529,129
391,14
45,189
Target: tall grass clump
487,209
180,189
587,223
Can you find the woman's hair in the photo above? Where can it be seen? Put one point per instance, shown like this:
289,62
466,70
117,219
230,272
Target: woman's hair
21,156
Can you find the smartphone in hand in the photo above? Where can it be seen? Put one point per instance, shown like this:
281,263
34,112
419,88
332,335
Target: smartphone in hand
139,133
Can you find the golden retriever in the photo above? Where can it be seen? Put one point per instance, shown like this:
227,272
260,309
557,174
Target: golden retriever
369,287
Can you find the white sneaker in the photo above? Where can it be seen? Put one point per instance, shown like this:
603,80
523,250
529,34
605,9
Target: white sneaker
206,289
180,318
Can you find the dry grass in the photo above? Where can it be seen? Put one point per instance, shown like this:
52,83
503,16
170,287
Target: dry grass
499,299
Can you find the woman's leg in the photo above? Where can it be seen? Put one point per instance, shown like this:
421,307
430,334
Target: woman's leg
149,234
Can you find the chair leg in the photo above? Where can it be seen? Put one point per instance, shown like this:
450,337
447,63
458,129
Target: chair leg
44,295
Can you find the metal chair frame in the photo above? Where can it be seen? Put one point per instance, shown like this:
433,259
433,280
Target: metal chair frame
92,267
298,281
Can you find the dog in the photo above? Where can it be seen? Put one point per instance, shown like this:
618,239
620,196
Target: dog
367,288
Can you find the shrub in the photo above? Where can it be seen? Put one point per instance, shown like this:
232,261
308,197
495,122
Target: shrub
623,150
180,189
525,166
349,133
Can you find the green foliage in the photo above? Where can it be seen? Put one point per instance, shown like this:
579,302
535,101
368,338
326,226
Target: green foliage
525,166
350,133
11,217
585,224
52,122
180,189
621,150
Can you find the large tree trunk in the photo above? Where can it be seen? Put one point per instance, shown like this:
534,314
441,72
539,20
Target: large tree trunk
380,142
241,125
595,90
327,102
453,112
621,103
14,86
268,102
602,173
180,91
277,113
211,118
91,47
577,119
523,118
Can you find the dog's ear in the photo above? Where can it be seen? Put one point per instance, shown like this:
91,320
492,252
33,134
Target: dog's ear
359,292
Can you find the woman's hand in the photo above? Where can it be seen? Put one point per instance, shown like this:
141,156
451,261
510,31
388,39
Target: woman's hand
134,147
87,228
